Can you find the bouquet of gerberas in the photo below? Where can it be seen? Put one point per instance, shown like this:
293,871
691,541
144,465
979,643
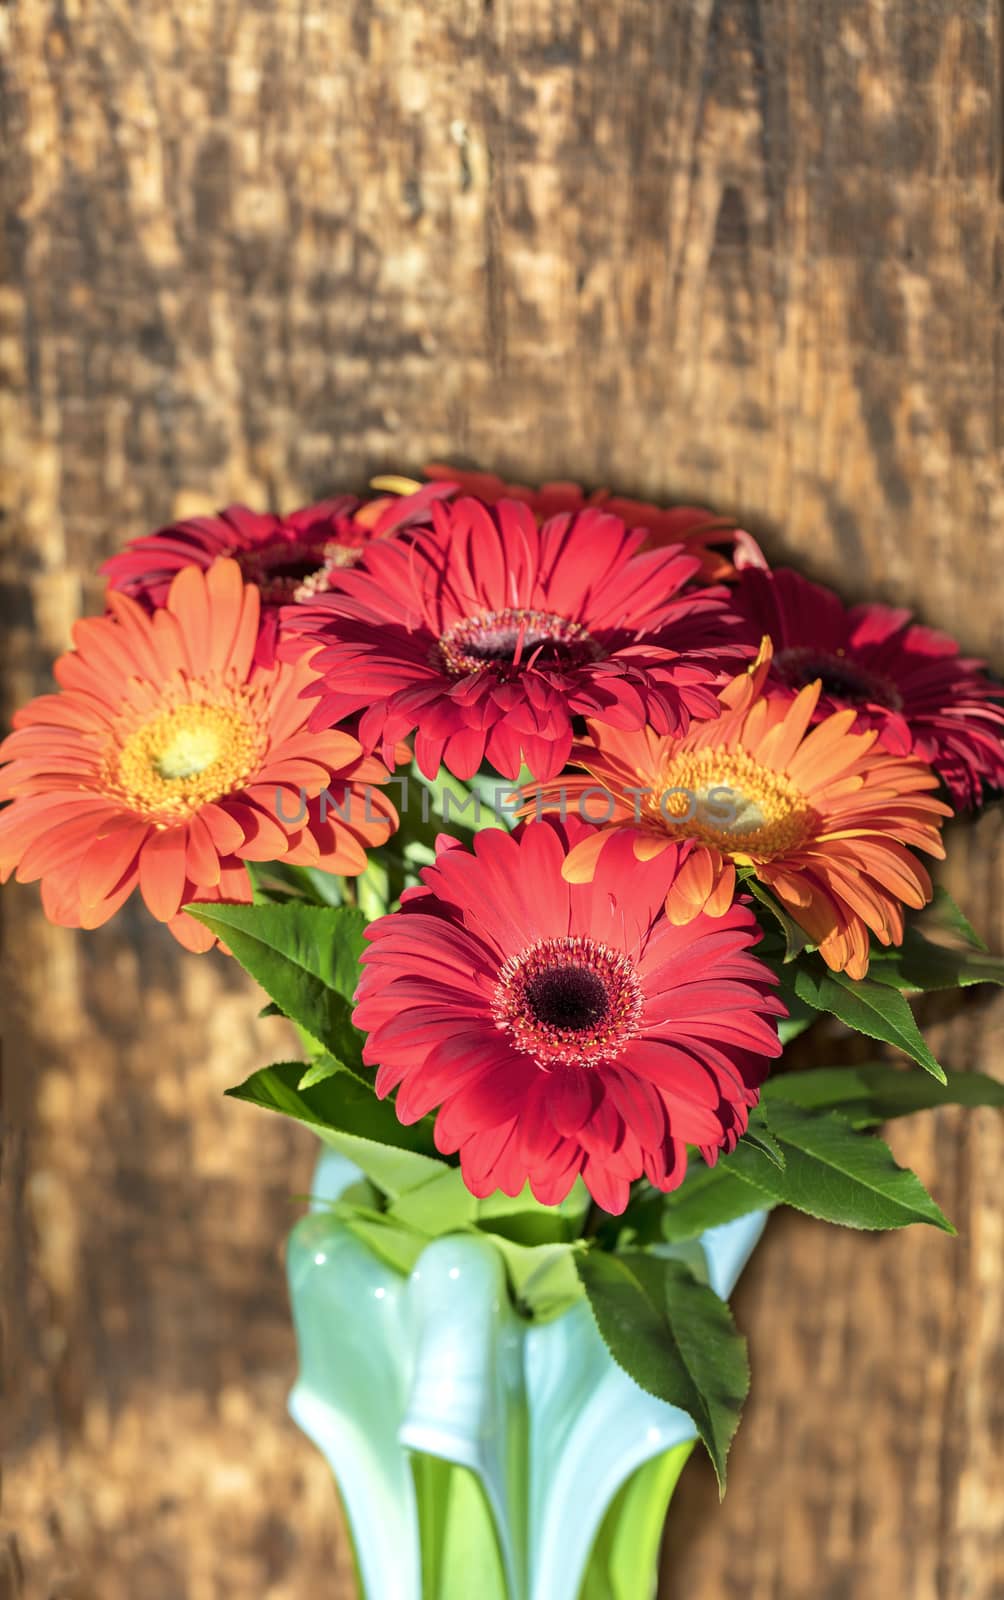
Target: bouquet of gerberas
548,819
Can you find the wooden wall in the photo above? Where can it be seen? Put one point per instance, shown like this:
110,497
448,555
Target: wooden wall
734,250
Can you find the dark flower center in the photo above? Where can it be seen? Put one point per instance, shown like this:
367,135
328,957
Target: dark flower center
292,570
567,997
511,640
281,567
842,677
569,1001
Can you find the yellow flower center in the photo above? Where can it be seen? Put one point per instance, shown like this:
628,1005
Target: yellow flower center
185,756
728,799
190,750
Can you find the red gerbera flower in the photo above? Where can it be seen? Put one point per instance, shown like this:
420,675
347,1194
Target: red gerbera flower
489,634
700,531
289,558
565,1028
908,682
169,760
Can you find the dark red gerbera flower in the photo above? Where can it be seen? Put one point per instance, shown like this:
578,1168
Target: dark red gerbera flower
288,558
722,547
565,1028
908,682
489,634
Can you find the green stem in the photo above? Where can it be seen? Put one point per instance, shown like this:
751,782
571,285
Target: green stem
373,890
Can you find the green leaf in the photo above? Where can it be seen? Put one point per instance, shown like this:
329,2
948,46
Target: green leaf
440,1205
499,800
522,1218
874,1092
399,1247
277,882
944,913
349,1117
542,1278
640,1224
707,1197
795,938
799,1018
529,1228
324,1067
373,896
940,950
835,1173
868,1007
428,807
800,1015
760,1137
444,804
674,1337
306,957
501,1204
921,964
690,1251
327,888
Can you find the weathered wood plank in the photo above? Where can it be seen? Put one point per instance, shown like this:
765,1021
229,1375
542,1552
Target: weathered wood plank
742,252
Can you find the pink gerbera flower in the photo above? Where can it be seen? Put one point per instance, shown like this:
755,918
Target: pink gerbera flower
288,558
489,634
565,1028
906,681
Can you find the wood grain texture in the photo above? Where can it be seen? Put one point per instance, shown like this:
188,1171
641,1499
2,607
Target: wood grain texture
742,252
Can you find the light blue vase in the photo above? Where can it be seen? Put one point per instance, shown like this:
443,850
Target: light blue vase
480,1456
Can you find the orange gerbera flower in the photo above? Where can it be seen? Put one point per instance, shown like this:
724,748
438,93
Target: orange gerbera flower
827,823
170,759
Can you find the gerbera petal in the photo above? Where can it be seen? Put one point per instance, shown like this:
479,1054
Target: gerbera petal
162,872
608,1190
191,933
108,857
580,862
202,860
572,1095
